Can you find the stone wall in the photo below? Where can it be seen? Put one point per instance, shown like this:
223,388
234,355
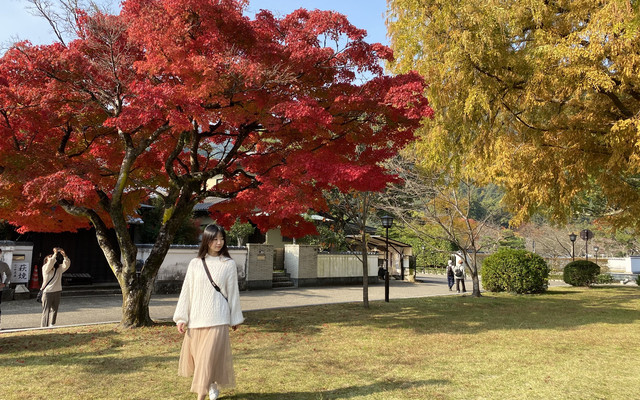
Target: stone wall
301,263
260,266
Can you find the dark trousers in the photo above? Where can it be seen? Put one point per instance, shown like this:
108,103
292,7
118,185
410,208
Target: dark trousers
458,285
1,303
50,304
450,280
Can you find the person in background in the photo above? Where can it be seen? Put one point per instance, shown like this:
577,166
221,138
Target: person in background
459,275
208,305
450,277
52,269
381,272
5,279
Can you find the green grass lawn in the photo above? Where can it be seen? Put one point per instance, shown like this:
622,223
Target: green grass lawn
570,343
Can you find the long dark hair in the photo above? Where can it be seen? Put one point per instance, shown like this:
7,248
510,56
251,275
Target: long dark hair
210,232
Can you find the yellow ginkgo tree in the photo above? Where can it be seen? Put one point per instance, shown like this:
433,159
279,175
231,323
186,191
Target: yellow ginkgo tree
541,96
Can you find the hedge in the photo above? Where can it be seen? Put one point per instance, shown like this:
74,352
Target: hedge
517,271
581,273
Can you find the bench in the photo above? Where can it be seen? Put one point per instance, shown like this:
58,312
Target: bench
77,279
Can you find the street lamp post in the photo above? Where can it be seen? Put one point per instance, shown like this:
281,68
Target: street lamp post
573,237
387,221
586,250
596,248
424,262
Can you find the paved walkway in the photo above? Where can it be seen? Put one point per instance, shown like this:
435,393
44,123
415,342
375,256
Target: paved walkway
25,314
85,310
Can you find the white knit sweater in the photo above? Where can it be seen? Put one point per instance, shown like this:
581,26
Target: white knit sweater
48,272
199,304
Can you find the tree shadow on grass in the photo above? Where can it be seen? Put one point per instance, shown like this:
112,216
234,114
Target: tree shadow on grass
94,363
53,340
95,350
557,309
341,393
558,292
69,337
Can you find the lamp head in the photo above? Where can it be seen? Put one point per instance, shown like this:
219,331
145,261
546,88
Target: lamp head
387,221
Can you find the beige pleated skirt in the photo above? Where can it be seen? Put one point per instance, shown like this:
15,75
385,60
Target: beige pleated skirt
206,354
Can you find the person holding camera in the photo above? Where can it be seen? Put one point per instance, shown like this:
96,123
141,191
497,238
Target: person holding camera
53,267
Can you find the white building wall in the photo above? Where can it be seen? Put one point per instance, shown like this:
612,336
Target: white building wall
344,265
292,260
626,265
175,263
618,264
327,265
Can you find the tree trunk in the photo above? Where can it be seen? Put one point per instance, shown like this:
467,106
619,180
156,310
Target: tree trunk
476,284
135,305
365,273
137,285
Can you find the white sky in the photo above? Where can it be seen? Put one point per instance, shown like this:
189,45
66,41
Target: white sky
17,23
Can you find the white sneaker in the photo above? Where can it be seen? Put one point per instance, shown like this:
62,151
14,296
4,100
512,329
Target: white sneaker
213,392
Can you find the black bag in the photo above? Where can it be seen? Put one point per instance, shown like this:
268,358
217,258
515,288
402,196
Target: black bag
459,273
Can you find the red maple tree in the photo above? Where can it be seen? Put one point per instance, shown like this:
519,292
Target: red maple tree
169,94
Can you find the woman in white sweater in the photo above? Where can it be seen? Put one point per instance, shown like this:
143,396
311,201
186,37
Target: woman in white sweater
208,305
52,268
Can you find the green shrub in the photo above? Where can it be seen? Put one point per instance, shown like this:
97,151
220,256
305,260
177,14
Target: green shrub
604,278
638,280
517,271
580,273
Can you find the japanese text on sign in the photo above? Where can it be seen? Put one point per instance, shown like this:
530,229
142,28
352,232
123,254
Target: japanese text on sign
20,272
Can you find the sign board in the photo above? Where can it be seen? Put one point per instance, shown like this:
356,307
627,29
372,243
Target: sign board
18,256
19,272
586,234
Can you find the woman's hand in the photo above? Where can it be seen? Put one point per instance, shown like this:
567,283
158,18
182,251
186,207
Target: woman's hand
234,327
182,327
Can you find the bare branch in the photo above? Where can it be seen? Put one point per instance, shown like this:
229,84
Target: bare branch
63,15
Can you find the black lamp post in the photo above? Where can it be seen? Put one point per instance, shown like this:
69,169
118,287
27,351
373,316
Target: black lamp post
573,237
423,260
596,248
387,221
